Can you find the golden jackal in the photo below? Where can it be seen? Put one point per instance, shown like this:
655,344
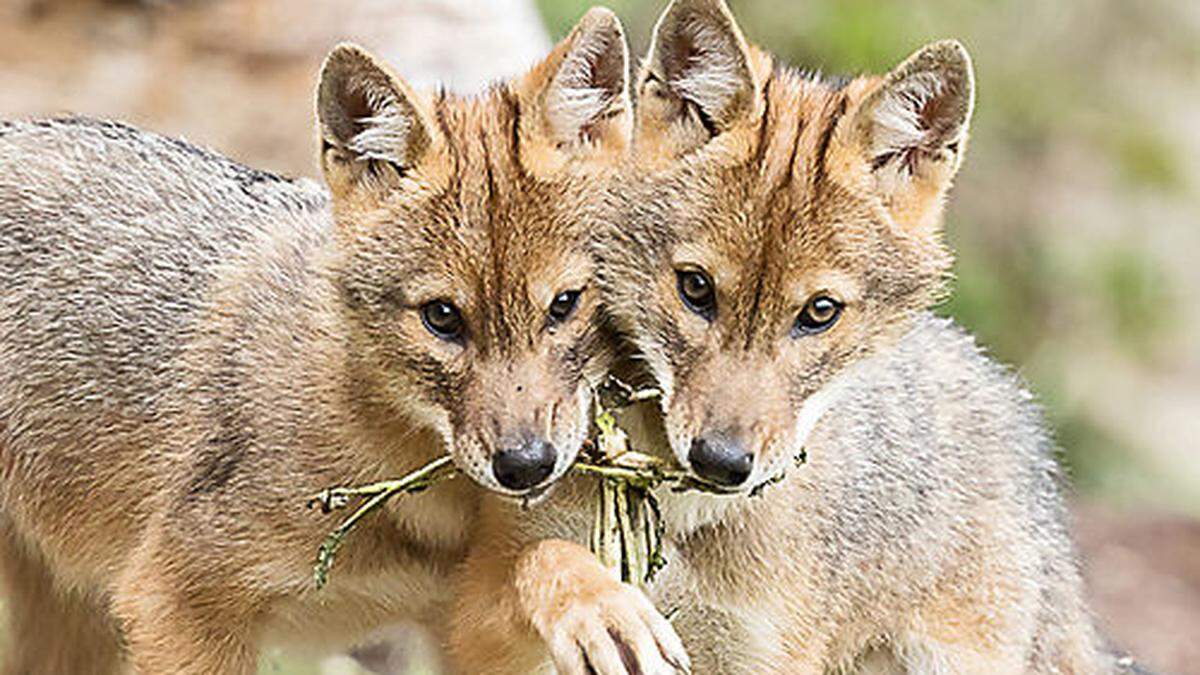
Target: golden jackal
774,249
189,348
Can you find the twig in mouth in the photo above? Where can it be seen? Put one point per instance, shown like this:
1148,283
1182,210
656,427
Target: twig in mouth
627,532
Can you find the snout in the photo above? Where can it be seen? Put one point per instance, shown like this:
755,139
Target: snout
525,465
721,461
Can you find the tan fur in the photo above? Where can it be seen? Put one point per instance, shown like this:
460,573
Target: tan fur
926,531
37,608
189,349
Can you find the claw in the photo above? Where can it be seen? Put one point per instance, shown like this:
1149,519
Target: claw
618,633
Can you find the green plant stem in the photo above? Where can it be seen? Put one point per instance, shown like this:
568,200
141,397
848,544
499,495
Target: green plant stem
379,493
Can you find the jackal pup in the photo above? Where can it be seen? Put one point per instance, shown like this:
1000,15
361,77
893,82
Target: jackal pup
189,348
775,246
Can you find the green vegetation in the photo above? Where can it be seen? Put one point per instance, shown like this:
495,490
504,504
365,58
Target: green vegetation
1137,292
1145,159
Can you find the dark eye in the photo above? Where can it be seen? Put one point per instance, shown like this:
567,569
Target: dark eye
563,305
818,315
442,319
696,291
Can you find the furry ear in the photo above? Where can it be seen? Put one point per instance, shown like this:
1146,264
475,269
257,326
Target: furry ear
369,118
578,97
697,72
913,129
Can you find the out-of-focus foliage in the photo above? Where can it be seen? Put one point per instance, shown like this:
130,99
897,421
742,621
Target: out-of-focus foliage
1075,217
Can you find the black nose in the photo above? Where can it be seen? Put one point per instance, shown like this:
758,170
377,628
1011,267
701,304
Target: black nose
720,461
524,466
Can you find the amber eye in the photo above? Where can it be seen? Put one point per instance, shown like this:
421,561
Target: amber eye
563,305
442,319
818,315
697,292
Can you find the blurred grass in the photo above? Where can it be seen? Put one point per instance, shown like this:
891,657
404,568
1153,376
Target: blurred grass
1146,159
1062,98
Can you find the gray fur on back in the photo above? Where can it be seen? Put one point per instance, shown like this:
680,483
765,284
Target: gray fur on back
109,239
922,457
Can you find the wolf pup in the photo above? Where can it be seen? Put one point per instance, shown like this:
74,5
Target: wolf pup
775,248
189,348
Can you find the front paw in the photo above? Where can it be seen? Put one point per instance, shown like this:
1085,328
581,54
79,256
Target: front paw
593,623
617,631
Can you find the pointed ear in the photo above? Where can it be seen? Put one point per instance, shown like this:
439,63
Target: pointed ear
577,99
912,131
697,75
372,124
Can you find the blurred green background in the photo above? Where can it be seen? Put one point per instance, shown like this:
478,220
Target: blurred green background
1076,218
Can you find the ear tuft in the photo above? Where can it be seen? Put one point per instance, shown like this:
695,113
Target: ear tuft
589,83
698,54
922,109
366,113
911,131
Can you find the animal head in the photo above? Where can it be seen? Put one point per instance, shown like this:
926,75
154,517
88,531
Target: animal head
774,231
461,229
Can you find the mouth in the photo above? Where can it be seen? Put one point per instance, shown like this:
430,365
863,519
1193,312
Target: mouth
529,497
536,495
778,475
694,482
